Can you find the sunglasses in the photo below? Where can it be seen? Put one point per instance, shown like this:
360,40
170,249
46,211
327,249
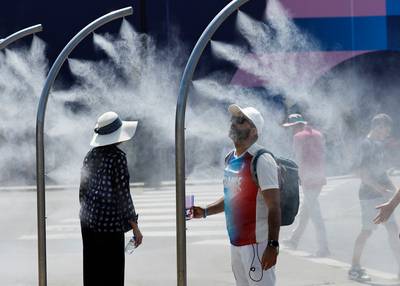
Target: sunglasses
238,120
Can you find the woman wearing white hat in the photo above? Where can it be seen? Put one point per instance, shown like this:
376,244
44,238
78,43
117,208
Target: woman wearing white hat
107,211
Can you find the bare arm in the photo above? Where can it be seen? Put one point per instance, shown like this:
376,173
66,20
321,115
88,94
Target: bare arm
396,199
386,209
214,208
272,200
83,187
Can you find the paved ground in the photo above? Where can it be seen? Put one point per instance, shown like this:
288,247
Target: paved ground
154,263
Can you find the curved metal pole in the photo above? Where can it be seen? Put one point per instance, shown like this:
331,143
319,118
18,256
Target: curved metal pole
180,133
20,34
40,162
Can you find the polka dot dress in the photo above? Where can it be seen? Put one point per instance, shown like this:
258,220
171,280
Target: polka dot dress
104,194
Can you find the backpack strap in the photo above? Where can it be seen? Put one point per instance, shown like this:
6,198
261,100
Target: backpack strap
254,160
229,156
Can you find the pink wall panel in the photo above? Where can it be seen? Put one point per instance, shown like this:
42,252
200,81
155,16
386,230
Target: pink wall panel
334,8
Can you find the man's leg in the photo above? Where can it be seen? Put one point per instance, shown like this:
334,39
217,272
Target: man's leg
367,215
359,246
315,214
393,232
303,219
238,268
356,272
251,256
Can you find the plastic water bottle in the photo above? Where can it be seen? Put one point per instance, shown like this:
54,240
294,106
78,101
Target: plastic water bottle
130,246
189,203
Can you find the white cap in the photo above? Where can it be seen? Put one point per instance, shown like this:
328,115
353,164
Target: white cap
110,129
250,113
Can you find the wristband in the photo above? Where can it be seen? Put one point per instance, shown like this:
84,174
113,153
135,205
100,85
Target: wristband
205,213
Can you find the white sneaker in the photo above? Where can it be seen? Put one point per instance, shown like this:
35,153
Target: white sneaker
358,274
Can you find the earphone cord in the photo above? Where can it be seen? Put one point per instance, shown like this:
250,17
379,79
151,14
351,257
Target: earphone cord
252,268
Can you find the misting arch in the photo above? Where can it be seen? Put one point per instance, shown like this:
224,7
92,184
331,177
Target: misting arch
20,34
40,160
180,133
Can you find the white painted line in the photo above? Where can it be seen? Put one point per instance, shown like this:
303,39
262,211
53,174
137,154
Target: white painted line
163,203
215,191
143,212
63,227
212,242
70,220
173,198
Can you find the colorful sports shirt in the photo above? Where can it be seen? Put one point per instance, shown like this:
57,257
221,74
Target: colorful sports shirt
245,210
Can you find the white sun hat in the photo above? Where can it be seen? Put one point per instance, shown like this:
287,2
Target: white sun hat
110,129
250,113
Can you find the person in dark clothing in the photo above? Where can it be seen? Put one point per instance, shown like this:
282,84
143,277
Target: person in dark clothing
376,187
107,210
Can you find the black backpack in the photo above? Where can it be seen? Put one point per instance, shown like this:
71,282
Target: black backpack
288,176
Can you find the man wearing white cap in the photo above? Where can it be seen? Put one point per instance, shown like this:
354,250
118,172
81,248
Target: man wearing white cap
107,211
252,207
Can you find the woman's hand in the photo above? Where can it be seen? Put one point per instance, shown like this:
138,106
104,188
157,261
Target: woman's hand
138,237
137,234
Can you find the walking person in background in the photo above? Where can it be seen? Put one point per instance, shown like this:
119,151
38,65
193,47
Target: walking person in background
107,211
309,151
252,209
375,189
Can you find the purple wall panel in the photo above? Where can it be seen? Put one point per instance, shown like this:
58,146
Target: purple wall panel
334,8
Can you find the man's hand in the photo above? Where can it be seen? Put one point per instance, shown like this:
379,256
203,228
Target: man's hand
198,212
385,211
212,209
269,257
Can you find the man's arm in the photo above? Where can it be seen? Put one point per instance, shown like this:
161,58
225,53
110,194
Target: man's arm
272,200
214,208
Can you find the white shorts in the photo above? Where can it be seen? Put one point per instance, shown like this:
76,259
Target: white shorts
246,266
